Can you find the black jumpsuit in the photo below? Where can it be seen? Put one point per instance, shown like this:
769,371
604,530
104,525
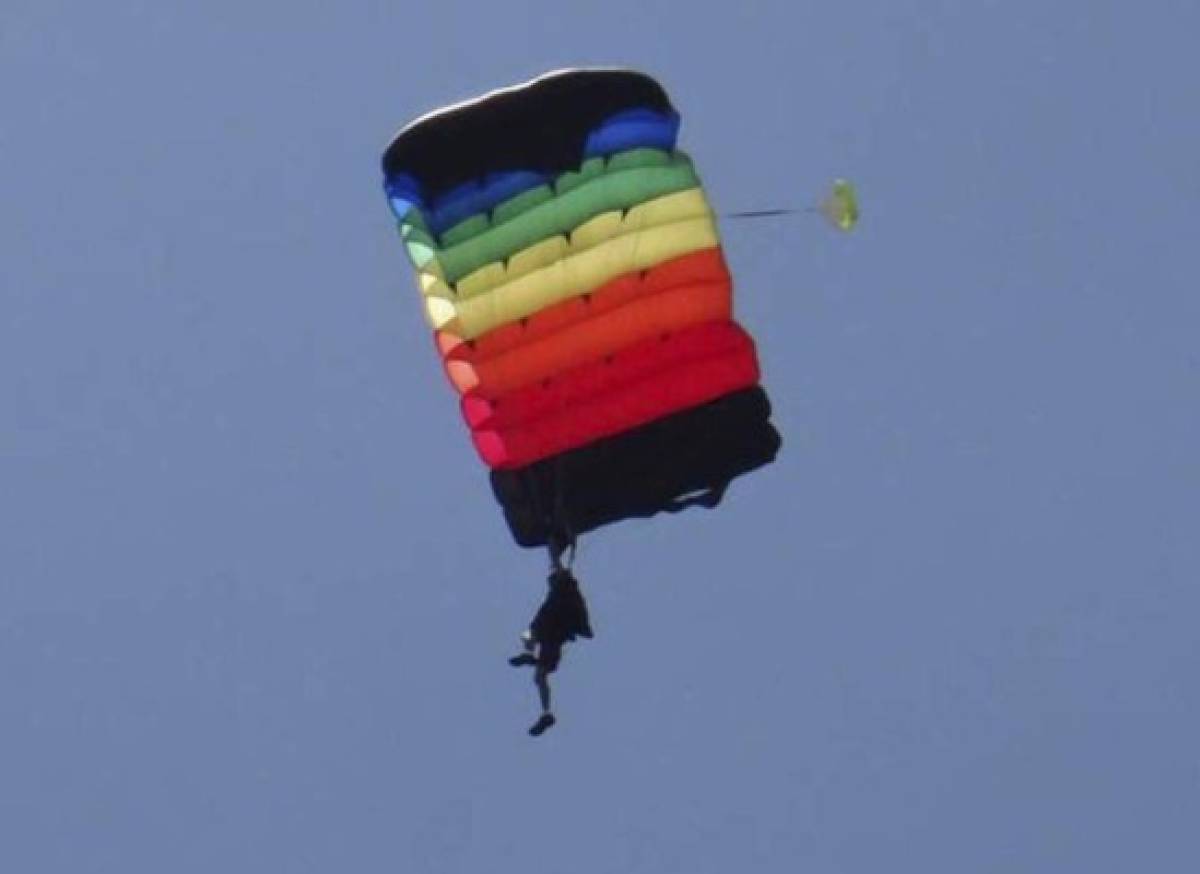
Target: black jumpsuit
562,617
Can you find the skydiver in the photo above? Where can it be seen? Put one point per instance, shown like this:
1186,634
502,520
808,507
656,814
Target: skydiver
562,617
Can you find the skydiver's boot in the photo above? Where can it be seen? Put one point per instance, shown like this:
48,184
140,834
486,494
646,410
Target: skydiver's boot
523,660
544,722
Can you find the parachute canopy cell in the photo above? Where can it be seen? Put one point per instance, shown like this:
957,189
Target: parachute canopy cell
569,264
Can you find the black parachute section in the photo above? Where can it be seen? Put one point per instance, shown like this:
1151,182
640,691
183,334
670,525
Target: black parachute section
680,461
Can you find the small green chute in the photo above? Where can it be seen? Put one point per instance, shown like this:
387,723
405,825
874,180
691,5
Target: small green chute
841,206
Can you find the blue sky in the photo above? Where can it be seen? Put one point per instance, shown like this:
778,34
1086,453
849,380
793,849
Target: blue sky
255,596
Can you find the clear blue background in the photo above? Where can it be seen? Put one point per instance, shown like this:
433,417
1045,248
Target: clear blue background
255,597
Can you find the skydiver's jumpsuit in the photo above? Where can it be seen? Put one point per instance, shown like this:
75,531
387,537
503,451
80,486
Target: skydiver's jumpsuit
562,617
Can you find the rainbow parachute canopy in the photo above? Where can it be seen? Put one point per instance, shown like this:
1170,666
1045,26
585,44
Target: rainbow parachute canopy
569,265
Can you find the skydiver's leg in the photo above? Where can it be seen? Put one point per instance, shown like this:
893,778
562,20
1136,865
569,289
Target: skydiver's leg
526,658
541,679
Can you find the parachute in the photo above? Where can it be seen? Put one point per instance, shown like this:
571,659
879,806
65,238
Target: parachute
841,206
570,266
